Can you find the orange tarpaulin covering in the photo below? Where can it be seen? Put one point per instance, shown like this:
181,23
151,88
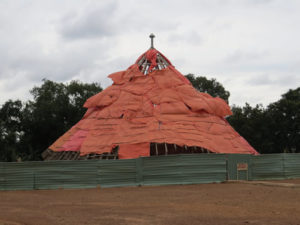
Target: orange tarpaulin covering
161,106
130,151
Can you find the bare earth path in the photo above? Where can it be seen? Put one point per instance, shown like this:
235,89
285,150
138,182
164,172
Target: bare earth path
213,204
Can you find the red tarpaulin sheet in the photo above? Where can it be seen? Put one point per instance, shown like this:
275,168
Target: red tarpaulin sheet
161,106
130,151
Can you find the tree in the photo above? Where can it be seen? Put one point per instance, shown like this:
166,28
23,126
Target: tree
253,124
212,86
285,126
274,129
10,129
55,109
27,129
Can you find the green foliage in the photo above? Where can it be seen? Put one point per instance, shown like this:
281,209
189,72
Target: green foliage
10,129
253,124
212,86
28,129
274,129
285,117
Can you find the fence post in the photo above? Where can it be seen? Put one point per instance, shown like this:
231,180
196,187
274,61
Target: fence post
98,174
227,166
34,187
2,177
139,171
250,167
283,165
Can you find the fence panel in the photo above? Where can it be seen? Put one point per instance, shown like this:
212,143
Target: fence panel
239,167
292,165
17,176
116,173
202,168
161,170
66,174
268,167
184,169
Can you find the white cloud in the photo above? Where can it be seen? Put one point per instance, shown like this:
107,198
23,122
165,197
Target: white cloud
250,46
92,22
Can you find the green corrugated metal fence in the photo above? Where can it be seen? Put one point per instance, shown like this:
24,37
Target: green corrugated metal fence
268,167
183,169
276,166
292,165
202,168
18,176
66,174
156,170
48,175
117,173
160,170
233,173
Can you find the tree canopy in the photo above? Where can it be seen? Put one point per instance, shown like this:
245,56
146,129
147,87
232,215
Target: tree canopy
212,86
10,129
27,129
273,129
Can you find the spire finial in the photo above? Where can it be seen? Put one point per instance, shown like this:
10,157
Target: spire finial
152,36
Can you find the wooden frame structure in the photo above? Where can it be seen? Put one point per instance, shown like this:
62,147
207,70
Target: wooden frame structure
155,150
144,64
171,149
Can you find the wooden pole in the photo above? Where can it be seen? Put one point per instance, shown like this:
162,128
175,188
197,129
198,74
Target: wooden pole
166,148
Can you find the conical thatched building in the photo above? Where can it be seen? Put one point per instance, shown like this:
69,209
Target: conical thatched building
150,109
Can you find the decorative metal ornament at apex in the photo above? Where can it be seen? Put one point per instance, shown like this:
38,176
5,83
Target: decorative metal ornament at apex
144,63
152,36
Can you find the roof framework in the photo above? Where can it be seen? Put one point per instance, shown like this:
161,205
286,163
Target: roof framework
144,64
155,150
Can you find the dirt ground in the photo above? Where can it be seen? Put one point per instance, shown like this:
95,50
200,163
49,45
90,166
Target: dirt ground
227,203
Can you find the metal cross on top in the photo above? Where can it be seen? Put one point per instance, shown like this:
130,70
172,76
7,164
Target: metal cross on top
152,36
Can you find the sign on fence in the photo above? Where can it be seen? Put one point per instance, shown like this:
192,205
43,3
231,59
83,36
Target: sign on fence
242,166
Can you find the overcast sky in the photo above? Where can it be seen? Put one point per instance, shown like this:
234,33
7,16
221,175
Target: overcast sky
250,46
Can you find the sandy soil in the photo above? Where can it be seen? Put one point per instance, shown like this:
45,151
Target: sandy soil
228,203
